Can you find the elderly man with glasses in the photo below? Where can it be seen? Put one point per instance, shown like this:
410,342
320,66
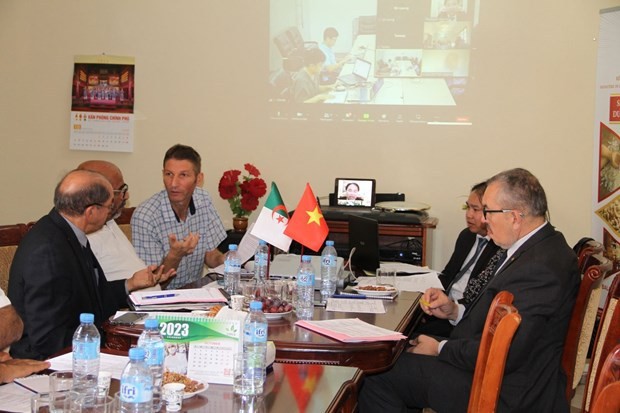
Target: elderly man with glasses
113,250
55,276
536,265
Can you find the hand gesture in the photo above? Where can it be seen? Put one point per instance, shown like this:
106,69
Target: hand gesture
181,248
149,276
435,302
13,368
424,345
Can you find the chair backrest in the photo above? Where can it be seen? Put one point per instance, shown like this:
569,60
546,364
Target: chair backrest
606,396
499,329
582,320
124,221
10,236
588,249
607,337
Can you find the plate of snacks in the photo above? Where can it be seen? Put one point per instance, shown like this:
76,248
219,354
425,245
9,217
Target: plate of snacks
375,290
275,308
192,387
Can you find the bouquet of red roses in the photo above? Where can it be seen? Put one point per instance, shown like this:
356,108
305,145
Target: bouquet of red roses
242,192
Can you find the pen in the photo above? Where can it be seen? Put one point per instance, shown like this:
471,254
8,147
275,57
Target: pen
150,297
359,296
412,273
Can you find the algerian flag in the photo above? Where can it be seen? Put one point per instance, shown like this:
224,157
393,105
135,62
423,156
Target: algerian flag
272,221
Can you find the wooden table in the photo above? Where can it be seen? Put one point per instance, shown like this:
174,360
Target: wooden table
288,388
298,345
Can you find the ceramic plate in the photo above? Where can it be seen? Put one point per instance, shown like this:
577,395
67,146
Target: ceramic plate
275,316
387,291
187,395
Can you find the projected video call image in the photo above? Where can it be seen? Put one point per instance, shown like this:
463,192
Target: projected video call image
355,192
397,57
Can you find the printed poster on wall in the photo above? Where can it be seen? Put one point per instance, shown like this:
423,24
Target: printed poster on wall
102,100
606,197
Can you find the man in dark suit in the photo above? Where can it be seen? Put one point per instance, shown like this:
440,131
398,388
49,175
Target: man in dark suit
540,270
55,277
472,252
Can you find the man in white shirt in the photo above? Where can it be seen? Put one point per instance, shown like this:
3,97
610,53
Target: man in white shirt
113,250
11,329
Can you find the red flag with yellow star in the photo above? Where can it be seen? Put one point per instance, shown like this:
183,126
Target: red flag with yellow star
307,226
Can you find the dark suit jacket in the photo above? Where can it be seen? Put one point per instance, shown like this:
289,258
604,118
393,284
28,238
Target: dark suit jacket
51,282
462,247
543,276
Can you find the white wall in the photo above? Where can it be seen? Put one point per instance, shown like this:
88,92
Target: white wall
194,60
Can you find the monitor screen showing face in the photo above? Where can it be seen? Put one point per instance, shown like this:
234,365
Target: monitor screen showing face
355,192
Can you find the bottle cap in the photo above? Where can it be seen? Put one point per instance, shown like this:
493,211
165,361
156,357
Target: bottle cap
306,258
87,318
232,247
136,353
151,323
262,242
329,243
256,305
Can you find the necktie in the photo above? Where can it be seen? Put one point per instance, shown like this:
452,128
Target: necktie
482,242
476,285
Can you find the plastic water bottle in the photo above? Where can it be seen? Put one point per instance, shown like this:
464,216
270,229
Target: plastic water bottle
136,392
305,289
86,345
232,270
255,343
261,261
329,274
153,344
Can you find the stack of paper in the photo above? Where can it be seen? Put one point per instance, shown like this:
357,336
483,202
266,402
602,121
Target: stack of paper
351,330
189,299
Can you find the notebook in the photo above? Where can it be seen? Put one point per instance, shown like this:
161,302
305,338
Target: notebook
364,93
361,71
38,383
364,237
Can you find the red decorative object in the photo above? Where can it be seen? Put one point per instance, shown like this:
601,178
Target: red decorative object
242,191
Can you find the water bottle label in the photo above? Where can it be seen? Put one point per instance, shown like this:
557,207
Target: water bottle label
232,267
328,261
258,334
85,351
260,259
154,355
305,279
136,392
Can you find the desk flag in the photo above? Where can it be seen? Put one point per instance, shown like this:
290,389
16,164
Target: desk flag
307,226
272,221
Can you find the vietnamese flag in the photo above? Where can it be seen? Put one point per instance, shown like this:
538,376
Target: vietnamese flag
272,221
307,226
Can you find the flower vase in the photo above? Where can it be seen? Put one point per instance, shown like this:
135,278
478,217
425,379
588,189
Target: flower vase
240,224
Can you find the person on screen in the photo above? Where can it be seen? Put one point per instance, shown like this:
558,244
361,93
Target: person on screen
351,195
305,87
331,66
452,10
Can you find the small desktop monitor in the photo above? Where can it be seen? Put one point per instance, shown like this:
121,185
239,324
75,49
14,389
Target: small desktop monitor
356,192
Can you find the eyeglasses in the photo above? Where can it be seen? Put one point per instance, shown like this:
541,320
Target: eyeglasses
495,211
123,190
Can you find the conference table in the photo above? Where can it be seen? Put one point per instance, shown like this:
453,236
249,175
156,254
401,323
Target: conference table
296,344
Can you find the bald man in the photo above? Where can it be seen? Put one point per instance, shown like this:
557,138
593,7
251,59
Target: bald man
55,277
113,250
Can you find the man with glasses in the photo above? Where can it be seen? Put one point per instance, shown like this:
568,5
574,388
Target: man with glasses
472,252
113,250
540,270
55,276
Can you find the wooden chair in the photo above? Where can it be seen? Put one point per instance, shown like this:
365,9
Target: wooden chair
585,248
10,236
124,221
582,320
606,396
499,329
607,337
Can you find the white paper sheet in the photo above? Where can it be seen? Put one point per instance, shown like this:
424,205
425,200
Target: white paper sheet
418,283
355,305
